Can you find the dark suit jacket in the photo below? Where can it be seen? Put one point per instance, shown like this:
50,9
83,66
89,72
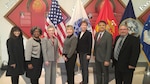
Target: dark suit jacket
84,44
129,53
103,48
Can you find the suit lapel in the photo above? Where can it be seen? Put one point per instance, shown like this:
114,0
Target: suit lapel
79,35
102,38
125,43
82,35
55,42
50,41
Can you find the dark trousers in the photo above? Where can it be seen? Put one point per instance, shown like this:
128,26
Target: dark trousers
70,64
15,79
84,67
34,81
122,77
102,72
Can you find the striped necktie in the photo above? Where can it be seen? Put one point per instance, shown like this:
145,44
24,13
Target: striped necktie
118,49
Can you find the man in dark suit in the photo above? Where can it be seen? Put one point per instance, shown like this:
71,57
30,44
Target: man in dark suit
102,52
84,46
126,54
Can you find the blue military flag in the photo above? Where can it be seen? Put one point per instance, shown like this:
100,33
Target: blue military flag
145,38
129,12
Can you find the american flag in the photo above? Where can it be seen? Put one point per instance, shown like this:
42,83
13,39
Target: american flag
55,18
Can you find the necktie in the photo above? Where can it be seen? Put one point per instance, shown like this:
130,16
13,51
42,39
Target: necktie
99,37
118,49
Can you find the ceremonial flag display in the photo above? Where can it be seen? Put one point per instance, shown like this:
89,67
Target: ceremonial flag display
79,15
106,14
145,39
55,18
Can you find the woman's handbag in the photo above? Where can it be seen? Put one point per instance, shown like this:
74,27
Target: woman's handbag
4,65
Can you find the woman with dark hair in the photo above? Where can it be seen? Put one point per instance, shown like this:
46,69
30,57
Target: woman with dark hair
34,55
84,47
16,58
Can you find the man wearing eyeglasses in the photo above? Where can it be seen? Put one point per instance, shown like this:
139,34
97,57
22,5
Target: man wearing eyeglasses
126,54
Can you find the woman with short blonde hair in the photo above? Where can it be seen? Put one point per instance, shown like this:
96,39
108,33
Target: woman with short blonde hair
70,27
69,53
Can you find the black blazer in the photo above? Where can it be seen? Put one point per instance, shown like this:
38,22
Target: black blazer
84,44
15,50
129,53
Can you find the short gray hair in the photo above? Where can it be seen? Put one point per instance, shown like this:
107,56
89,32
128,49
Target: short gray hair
123,25
50,26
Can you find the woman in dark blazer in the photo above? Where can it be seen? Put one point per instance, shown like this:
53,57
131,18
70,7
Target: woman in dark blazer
34,55
69,53
16,59
84,47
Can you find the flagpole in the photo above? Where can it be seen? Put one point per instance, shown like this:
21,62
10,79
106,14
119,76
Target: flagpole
146,44
78,65
57,72
148,71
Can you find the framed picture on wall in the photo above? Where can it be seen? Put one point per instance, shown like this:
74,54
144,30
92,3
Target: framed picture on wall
143,17
26,14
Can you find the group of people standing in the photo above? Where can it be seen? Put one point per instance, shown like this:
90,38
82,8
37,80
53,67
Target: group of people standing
124,52
30,60
45,50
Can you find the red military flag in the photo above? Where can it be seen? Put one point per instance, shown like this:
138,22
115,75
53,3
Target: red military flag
106,14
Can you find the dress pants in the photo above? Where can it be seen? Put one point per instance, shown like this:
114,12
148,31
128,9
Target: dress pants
50,73
36,71
123,77
70,64
15,79
34,81
100,70
84,67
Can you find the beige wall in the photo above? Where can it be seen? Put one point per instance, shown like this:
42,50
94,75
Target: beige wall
0,53
5,26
